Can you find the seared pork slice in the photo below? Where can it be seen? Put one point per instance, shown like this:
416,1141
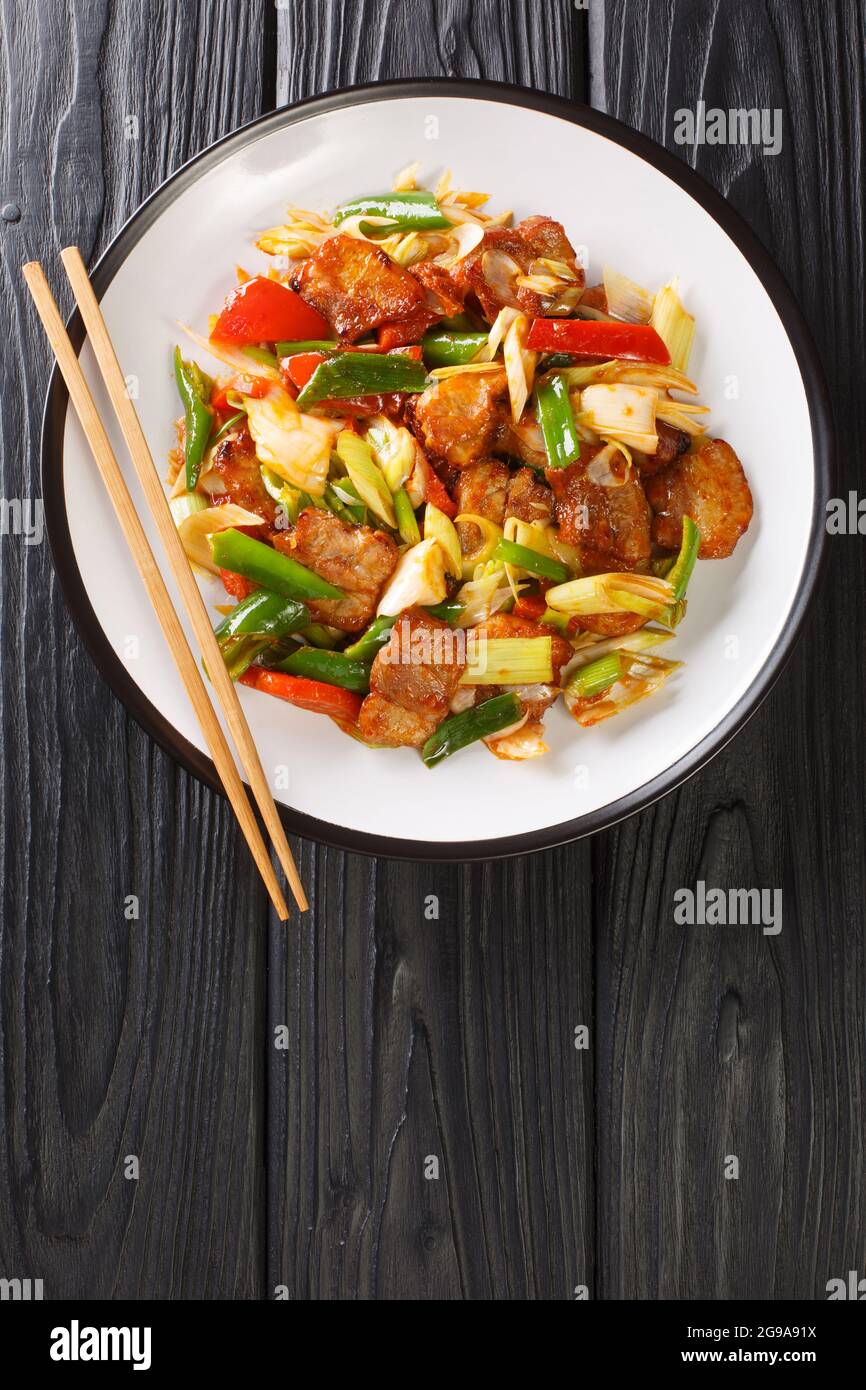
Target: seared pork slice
357,559
442,294
672,443
609,624
458,419
508,254
236,463
594,297
708,485
609,525
529,499
412,681
357,287
381,721
482,489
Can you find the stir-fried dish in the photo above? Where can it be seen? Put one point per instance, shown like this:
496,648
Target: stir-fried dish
442,480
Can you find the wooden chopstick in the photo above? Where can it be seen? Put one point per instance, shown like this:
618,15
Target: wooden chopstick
187,665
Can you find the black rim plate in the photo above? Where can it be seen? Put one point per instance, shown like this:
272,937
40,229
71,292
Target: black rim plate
808,362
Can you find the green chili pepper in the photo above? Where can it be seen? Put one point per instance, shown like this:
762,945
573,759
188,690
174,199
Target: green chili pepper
414,211
353,512
362,374
334,667
450,349
307,345
194,388
532,561
263,613
377,635
449,611
556,418
462,729
320,635
235,551
240,652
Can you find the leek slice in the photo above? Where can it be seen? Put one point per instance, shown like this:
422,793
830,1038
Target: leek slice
357,458
508,661
674,326
441,528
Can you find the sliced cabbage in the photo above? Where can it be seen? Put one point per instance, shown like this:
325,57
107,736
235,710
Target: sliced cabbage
195,528
418,579
296,447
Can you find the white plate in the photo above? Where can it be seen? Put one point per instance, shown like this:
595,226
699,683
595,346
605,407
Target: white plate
631,205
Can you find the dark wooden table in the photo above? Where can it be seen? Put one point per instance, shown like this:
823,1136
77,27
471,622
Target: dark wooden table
304,1166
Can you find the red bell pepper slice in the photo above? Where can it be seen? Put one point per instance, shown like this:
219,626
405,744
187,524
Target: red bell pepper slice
254,386
265,311
300,367
306,694
235,585
634,342
436,492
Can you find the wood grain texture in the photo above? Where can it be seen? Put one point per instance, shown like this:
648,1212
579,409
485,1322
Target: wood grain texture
117,1037
411,1038
716,1041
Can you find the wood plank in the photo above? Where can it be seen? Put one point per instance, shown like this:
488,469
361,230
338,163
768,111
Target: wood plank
716,1041
409,1038
117,1037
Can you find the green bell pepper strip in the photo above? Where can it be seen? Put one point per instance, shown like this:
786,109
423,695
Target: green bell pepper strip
333,667
532,561
556,418
264,613
307,345
413,211
407,523
681,572
450,349
235,551
462,729
377,635
224,429
596,676
362,374
449,611
194,387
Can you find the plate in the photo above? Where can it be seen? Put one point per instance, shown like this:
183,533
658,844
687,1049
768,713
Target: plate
632,205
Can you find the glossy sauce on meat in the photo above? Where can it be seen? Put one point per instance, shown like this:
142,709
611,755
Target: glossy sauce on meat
356,559
708,485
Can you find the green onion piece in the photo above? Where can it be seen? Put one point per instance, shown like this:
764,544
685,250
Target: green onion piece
681,572
461,729
377,635
285,349
194,389
449,611
510,661
224,429
259,354
366,476
354,514
450,349
596,676
240,652
362,374
662,567
263,613
554,619
334,667
235,551
407,523
415,211
532,561
556,418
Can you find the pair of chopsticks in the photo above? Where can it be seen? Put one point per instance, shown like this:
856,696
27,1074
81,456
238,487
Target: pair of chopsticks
187,665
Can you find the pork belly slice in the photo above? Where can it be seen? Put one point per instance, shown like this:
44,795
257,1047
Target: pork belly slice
357,559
